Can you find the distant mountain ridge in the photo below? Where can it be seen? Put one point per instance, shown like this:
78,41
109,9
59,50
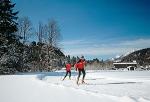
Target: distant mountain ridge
142,57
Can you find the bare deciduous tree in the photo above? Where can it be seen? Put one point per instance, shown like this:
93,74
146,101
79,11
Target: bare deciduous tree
24,31
53,33
41,31
24,28
41,34
52,39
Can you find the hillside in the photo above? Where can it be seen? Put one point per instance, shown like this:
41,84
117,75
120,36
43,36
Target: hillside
142,57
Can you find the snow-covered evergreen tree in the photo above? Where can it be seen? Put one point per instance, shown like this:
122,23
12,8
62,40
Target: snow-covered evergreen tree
9,42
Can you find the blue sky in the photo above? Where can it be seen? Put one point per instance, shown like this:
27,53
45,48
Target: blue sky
94,28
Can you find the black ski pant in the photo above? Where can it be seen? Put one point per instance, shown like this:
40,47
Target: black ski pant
67,74
79,74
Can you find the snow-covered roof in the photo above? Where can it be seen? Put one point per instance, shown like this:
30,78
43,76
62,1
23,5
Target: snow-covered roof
126,63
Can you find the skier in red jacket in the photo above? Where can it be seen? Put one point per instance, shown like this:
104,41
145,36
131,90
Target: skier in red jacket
80,67
68,70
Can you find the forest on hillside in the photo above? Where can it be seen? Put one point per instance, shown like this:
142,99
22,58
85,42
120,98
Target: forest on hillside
17,53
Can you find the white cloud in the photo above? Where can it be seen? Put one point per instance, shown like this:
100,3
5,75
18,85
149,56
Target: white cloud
95,49
137,43
75,42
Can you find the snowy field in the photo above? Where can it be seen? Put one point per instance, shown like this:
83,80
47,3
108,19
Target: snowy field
101,86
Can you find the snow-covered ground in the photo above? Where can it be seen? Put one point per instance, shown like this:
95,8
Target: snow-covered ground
101,86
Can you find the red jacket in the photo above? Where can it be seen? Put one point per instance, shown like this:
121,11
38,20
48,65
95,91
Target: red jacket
68,67
80,65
